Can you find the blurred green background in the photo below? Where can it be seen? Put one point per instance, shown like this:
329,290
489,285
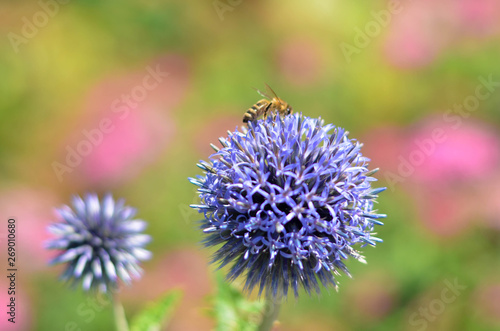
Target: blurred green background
126,97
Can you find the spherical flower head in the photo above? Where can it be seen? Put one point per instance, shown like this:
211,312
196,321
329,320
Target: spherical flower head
100,241
287,198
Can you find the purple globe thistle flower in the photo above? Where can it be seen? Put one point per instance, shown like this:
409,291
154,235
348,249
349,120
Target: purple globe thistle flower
287,198
100,242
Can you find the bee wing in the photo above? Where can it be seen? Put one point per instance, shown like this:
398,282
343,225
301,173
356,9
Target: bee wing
269,89
262,93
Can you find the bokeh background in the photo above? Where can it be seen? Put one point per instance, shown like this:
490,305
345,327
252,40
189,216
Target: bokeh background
415,81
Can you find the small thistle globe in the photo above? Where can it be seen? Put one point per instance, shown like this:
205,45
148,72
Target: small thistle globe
100,241
285,201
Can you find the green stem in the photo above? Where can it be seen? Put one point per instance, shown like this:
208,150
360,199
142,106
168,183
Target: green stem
119,312
270,315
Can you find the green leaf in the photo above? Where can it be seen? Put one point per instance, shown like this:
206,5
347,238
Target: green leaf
233,311
157,314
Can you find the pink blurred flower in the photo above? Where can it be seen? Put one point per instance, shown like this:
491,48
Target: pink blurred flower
450,176
134,142
383,145
173,89
173,75
32,210
447,184
418,34
446,212
129,121
489,208
423,29
480,17
467,153
22,308
300,61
